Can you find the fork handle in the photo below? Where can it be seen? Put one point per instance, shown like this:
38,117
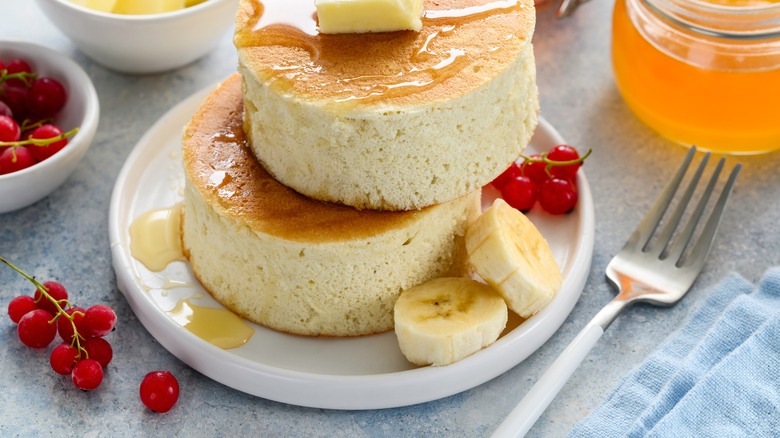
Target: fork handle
530,408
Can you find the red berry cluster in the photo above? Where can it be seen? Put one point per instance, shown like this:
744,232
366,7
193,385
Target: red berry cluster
549,178
28,104
84,352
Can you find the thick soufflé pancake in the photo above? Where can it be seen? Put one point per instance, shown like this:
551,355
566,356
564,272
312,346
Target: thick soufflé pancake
296,264
463,45
395,120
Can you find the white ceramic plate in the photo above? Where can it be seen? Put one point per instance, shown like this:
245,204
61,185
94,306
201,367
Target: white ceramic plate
333,373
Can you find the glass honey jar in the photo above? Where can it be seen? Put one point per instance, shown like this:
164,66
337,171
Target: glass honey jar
702,72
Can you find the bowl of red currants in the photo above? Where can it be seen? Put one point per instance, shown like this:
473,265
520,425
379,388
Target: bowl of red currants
49,113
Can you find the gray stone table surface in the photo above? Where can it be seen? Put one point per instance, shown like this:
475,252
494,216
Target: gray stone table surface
65,236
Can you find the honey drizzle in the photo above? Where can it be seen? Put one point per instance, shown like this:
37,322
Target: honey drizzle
293,23
287,26
219,327
155,237
156,241
471,13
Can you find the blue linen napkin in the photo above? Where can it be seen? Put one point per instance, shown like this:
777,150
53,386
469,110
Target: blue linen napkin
718,375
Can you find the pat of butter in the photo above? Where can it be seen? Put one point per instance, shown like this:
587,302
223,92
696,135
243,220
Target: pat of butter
140,7
361,16
98,5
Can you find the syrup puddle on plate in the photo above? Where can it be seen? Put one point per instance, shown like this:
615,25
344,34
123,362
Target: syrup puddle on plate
155,241
219,327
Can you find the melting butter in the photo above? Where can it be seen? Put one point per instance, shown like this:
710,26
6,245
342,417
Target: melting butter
362,16
155,237
219,327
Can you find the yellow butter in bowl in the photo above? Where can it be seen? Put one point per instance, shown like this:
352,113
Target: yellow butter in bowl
362,16
137,7
141,7
98,5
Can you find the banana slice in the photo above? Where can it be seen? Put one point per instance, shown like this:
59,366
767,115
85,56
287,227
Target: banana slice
510,254
446,319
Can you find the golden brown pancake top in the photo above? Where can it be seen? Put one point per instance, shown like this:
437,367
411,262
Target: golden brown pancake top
463,44
221,166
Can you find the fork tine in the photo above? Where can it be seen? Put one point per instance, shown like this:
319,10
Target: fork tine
695,260
663,239
647,226
682,241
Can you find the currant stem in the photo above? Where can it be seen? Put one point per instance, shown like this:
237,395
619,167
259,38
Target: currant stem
26,125
24,76
40,141
552,163
60,311
37,284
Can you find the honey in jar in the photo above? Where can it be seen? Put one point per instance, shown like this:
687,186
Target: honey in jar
704,73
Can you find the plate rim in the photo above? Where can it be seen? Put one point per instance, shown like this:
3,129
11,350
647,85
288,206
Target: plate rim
334,391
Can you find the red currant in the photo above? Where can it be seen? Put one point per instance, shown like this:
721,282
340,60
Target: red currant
99,320
520,192
46,97
43,132
159,391
16,99
17,66
14,159
564,152
35,329
99,349
535,170
557,196
87,374
5,110
63,358
510,172
9,129
56,291
20,306
64,326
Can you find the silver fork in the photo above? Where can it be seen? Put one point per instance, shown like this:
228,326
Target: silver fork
567,8
657,270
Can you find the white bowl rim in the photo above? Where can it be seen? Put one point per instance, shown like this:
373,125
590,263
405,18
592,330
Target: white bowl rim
92,105
163,16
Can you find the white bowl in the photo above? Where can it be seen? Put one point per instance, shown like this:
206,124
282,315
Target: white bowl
82,109
143,43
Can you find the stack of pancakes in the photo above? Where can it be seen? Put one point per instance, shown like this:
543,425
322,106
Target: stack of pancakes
337,171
